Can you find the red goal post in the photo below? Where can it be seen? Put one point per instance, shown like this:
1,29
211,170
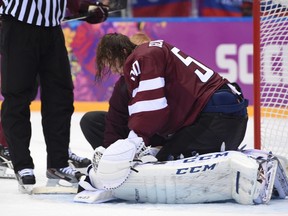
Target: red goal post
270,20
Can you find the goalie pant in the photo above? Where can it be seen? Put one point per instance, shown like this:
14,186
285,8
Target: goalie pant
247,178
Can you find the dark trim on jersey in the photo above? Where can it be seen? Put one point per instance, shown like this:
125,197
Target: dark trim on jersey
25,18
17,14
43,12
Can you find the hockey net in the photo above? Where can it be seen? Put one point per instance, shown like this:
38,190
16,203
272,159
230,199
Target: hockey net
270,19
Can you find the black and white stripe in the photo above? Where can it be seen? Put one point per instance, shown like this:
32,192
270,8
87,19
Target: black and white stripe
37,12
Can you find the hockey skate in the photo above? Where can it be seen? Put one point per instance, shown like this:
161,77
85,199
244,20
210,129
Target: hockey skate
77,162
26,180
6,167
60,181
67,174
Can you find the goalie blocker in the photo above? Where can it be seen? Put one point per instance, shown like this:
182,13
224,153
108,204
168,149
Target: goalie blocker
248,177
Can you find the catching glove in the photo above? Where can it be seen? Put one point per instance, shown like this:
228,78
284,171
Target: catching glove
116,162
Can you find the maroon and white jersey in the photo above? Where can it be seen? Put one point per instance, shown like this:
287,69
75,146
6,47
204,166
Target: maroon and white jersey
168,88
117,116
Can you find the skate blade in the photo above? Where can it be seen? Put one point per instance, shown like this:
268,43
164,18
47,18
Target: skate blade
60,183
25,189
7,173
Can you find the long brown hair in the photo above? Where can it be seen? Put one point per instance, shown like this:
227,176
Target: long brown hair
112,49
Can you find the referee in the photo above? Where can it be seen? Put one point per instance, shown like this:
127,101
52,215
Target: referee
33,45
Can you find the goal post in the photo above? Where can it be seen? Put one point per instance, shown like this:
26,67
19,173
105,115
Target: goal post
270,70
256,72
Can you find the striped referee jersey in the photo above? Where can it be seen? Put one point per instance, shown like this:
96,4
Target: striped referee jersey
46,13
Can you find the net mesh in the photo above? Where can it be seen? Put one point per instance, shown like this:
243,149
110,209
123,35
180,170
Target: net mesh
274,76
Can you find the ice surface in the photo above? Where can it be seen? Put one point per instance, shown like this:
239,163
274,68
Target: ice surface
14,203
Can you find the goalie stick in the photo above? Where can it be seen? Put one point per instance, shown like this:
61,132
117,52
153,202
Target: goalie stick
54,190
29,189
55,186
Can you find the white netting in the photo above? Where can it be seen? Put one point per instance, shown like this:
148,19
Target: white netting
274,76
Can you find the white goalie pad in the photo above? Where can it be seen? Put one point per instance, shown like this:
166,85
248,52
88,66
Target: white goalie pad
211,177
248,177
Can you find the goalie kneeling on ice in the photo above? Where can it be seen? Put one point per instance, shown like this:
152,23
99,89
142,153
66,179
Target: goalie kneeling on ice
205,178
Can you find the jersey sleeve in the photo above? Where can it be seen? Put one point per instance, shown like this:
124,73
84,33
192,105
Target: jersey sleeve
116,123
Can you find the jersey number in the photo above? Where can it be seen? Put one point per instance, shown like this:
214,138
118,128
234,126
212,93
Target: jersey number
204,77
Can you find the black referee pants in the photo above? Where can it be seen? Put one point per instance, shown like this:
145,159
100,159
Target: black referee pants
29,51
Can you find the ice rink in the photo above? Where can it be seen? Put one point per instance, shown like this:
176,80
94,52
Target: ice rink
14,203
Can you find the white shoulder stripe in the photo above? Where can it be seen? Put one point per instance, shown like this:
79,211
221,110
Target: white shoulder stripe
149,105
151,84
23,8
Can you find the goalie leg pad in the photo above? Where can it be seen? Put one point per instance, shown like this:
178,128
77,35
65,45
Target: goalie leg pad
247,178
204,178
198,179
